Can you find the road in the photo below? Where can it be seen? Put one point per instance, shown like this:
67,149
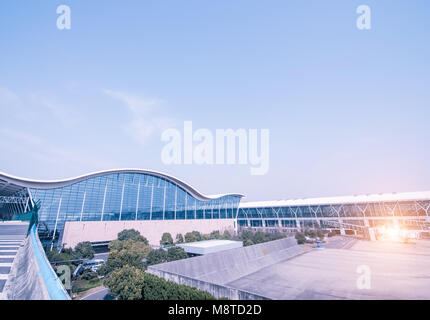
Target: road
102,256
12,236
98,295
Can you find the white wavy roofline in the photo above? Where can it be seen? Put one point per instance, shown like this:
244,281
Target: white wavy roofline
381,197
49,184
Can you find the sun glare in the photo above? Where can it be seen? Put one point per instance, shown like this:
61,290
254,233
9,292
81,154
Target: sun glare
395,233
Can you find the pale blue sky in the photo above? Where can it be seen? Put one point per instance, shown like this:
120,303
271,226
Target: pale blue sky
348,110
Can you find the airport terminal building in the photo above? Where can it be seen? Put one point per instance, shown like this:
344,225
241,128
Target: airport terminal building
96,206
131,196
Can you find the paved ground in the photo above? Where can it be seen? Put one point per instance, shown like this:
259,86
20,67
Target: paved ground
397,271
11,237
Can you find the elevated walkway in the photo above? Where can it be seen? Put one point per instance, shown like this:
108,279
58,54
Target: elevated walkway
25,272
12,236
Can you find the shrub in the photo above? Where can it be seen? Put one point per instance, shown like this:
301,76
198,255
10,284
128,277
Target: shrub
123,253
156,257
226,235
300,237
248,242
193,236
179,238
166,239
176,253
126,283
215,235
84,250
155,288
131,234
88,275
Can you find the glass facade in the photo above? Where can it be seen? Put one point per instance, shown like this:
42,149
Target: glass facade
312,215
125,196
132,194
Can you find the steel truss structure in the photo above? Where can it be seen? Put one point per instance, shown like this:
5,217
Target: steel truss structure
353,216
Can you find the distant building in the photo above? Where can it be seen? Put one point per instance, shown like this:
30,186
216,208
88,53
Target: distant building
124,195
96,207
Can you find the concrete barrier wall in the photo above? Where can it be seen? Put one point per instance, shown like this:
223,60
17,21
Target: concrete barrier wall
32,277
77,231
24,282
226,266
213,272
218,291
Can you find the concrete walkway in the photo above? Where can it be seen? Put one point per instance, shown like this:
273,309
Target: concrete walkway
12,235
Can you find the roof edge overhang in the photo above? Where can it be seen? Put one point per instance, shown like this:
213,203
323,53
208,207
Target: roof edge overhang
342,200
51,184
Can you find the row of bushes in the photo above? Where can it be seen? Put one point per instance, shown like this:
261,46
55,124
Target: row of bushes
132,249
311,233
155,288
131,283
250,238
167,239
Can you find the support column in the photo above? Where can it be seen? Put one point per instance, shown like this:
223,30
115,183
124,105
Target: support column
342,230
370,231
298,225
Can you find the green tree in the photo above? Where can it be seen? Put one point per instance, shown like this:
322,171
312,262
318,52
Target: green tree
126,283
166,239
176,253
88,274
300,237
84,250
125,253
179,238
156,257
131,234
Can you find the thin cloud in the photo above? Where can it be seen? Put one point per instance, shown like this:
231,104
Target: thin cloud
143,110
8,98
23,106
37,148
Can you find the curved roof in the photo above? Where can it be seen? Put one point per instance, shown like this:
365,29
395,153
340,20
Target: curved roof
10,184
356,199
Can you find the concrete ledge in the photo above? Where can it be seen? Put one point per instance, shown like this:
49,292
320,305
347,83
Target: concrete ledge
215,271
32,277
